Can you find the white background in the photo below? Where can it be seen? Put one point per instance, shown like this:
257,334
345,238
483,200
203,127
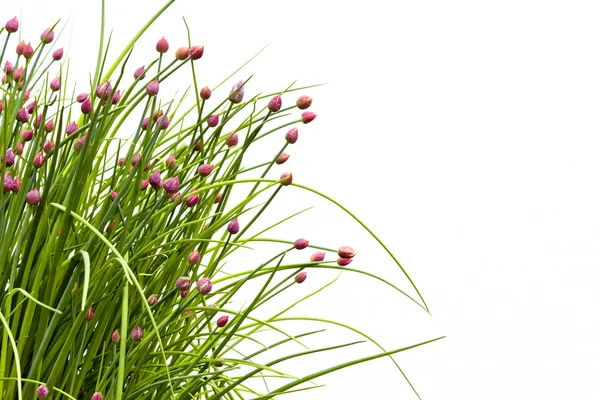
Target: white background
464,133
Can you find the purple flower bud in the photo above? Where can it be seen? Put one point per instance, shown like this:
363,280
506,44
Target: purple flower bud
237,92
283,157
218,198
292,136
222,321
115,337
10,158
233,227
1,105
152,88
27,135
8,68
286,178
116,97
20,47
344,261
164,122
16,185
182,53
157,114
140,73
171,162
232,139
48,146
79,144
47,36
89,315
171,185
308,116
30,107
136,159
27,51
303,102
81,97
196,52
86,106
137,334
12,25
184,293
346,252
147,167
318,256
104,90
97,396
38,120
42,392
205,169
19,148
300,244
49,127
162,46
275,104
300,277
110,226
182,283
155,180
194,257
204,286
38,160
213,120
55,84
71,128
152,299
144,184
18,74
145,123
33,197
205,93
8,182
192,200
113,195
58,54
22,115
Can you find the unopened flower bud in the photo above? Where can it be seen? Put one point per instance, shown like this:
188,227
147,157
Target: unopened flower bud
182,283
192,200
232,139
9,69
48,146
300,277
318,256
104,90
194,257
80,143
222,321
205,169
308,116
38,120
47,36
12,25
137,334
38,160
27,51
300,244
147,167
184,293
204,286
164,122
145,123
20,47
33,197
218,198
144,184
155,180
237,93
182,53
233,227
116,97
58,54
140,73
113,195
22,115
152,299
71,128
152,88
86,106
196,52
115,337
49,126
19,148
97,396
213,120
81,97
162,46
198,145
30,107
205,93
286,178
346,252
275,104
171,162
27,135
171,185
42,392
89,315
55,84
111,226
292,136
18,74
10,158
283,157
303,102
344,261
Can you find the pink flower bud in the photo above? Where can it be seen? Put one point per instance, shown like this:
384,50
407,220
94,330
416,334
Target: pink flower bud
97,396
49,127
164,122
81,97
300,244
318,256
136,159
47,36
205,93
140,73
55,84
300,277
26,96
115,337
137,334
192,200
48,146
346,252
30,107
303,102
162,46
12,25
144,184
182,283
283,157
20,47
152,88
205,169
58,54
8,68
204,286
22,115
194,257
116,97
10,157
1,105
184,293
38,160
86,106
218,198
42,392
71,128
292,136
157,114
232,139
38,121
27,51
80,143
19,148
8,182
171,185
147,167
145,123
152,299
155,180
89,315
182,53
237,93
113,195
196,52
18,74
27,135
233,227
222,321
104,90
33,198
344,261
213,120
275,104
308,116
286,178
171,162
198,145
110,226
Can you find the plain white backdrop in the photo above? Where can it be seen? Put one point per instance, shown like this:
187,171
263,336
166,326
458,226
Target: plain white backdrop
464,133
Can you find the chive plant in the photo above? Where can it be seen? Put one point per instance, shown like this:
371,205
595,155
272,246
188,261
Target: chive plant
114,282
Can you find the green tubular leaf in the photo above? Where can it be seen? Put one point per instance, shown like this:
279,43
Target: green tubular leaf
30,297
16,355
86,277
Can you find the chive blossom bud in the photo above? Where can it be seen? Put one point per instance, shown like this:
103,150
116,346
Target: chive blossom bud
182,53
89,315
292,136
48,146
81,97
222,321
140,73
58,54
303,102
205,93
22,115
9,68
152,88
97,396
318,256
42,392
115,337
71,128
113,195
196,52
237,93
162,46
10,157
192,200
182,283
19,148
79,144
344,261
218,198
152,299
12,25
171,162
49,126
286,178
47,36
27,135
205,169
213,120
300,244
38,160
346,252
104,90
27,51
33,197
144,184
233,227
300,277
55,84
204,286
275,104
232,139
308,116
171,185
86,106
283,157
137,334
194,257
155,180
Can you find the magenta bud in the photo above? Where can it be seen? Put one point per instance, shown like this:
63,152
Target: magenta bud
38,160
12,25
300,277
26,95
22,115
48,146
171,185
152,88
81,97
182,53
292,136
164,122
162,46
111,226
18,74
144,184
204,286
38,121
137,334
232,139
308,116
27,135
205,93
113,195
27,51
33,198
346,252
30,107
55,84
19,148
318,256
157,114
10,157
184,294
140,73
222,321
47,36
97,396
42,392
20,47
194,257
183,283
8,182
283,157
155,180
145,123
300,244
79,144
115,337
104,90
303,102
213,120
344,261
237,92
86,106
116,97
192,200
176,197
205,169
218,198
147,167
171,162
275,104
58,54
1,105
196,52
71,128
49,127
152,299
89,315
286,178
8,68
233,227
